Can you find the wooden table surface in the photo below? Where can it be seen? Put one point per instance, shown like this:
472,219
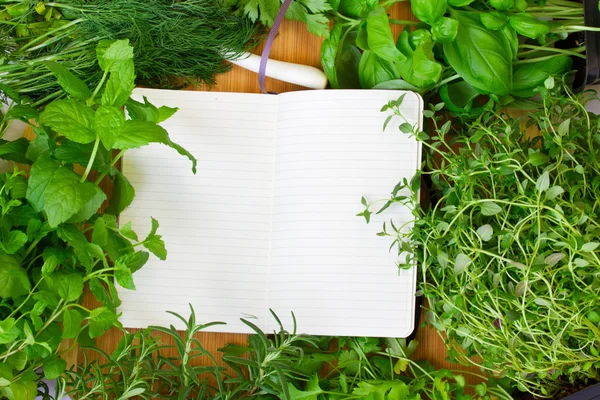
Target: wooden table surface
294,44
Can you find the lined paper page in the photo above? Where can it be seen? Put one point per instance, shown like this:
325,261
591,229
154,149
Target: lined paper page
215,224
327,265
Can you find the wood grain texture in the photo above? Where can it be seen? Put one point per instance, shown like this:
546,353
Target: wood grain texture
293,44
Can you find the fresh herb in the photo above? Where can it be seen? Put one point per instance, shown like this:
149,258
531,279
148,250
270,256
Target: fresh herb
509,248
461,49
284,365
48,217
175,43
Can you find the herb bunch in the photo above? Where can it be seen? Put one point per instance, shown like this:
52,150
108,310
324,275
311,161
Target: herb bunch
284,365
175,43
508,249
461,49
53,240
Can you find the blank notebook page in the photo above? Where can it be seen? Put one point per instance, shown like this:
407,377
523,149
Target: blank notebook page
327,265
215,224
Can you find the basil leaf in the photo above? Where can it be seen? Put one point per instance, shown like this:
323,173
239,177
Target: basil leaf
68,81
379,35
428,11
109,122
444,30
493,20
362,40
527,77
480,56
71,119
502,5
373,70
529,26
419,69
329,50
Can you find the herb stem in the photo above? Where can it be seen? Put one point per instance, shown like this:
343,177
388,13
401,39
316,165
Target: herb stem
91,160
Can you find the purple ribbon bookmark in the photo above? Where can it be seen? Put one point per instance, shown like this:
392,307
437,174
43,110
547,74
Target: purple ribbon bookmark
264,57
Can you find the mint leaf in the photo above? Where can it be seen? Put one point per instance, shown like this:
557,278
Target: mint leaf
133,262
120,84
22,112
164,113
123,194
183,152
128,232
64,196
142,111
77,240
20,390
8,331
109,123
140,133
71,119
53,367
71,323
96,197
41,173
14,242
68,285
14,150
123,275
112,52
100,233
156,246
101,320
37,147
69,82
14,281
53,257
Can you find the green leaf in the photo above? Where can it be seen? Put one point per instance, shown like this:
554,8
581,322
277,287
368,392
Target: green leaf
480,56
94,196
485,232
502,5
14,242
64,196
120,84
109,123
22,112
20,391
379,36
156,246
127,231
489,208
589,247
317,24
529,76
40,175
140,133
311,392
554,192
148,112
71,323
134,261
373,70
538,158
101,320
123,194
112,53
8,331
428,11
54,367
420,68
71,119
14,281
563,128
68,81
444,30
68,285
461,263
329,51
494,20
543,182
529,26
123,274
77,240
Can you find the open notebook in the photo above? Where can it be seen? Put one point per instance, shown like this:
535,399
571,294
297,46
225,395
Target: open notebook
269,221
